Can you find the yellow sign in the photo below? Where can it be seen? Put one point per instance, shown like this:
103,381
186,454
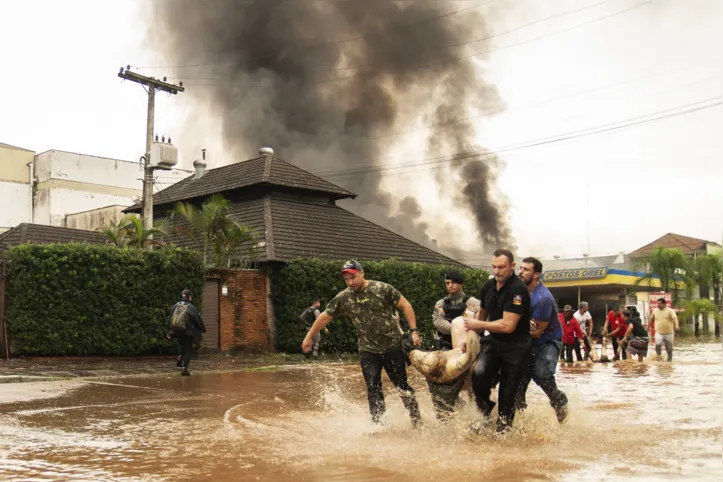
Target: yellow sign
573,274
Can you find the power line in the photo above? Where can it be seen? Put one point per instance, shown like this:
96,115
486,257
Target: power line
327,44
551,99
496,150
451,60
443,161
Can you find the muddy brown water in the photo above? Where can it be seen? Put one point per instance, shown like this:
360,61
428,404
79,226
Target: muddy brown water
655,421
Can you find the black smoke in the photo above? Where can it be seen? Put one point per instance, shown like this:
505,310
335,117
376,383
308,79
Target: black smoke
325,83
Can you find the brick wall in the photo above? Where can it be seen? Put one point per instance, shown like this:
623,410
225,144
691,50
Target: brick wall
243,312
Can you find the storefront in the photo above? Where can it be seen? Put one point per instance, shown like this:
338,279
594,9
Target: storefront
602,288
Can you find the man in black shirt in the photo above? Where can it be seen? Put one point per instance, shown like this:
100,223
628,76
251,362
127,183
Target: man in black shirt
505,314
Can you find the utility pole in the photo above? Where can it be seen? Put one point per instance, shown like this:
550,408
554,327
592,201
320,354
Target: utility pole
153,85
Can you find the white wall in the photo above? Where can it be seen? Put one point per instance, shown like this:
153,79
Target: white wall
14,204
70,183
96,170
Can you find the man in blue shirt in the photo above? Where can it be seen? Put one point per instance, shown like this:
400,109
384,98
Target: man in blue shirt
546,334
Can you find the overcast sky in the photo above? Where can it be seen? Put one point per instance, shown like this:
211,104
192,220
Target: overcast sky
642,64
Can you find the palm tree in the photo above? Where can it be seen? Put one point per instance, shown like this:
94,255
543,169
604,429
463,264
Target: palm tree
707,270
129,231
704,307
228,244
671,266
211,230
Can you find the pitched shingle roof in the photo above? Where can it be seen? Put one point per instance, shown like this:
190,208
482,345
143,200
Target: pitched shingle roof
262,170
41,234
685,243
323,230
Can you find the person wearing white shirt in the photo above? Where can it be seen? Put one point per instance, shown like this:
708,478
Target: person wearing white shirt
583,317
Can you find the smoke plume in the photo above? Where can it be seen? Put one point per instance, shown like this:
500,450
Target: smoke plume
329,84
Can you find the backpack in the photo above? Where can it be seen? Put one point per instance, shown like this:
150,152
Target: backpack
180,318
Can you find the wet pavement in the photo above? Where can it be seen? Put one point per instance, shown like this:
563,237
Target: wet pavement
656,421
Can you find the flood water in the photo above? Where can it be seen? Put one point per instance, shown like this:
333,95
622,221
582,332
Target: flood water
655,421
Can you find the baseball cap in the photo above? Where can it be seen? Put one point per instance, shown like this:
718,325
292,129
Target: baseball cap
567,308
351,267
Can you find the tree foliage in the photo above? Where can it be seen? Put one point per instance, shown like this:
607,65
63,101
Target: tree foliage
129,232
671,266
295,285
80,299
222,242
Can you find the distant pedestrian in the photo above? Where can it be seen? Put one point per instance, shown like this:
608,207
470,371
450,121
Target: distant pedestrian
185,325
570,328
666,324
584,318
369,305
638,344
615,327
308,317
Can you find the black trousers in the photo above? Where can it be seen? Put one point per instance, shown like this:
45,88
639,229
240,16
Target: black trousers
444,396
566,354
394,363
185,349
616,342
506,362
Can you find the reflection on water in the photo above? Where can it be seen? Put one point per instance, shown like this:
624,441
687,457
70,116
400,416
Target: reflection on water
629,421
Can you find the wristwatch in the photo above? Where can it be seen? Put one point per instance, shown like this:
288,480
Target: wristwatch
413,330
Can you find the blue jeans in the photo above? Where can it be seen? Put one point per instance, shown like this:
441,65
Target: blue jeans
541,369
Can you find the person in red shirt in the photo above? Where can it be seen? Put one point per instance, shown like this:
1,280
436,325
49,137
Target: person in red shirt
615,327
570,328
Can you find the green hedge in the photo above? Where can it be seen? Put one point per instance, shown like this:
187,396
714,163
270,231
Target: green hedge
79,299
295,285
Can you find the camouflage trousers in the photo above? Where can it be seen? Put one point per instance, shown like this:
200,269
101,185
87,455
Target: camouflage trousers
444,396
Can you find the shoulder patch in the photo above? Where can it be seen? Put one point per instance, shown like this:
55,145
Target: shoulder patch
517,300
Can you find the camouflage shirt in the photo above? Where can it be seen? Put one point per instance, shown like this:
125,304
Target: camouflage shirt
371,311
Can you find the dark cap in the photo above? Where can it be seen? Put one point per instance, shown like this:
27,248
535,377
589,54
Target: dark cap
454,277
351,267
185,294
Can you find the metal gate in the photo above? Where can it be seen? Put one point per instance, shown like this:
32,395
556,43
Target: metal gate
210,314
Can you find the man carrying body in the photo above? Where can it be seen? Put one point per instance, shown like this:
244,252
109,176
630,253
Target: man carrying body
447,309
618,327
308,317
186,325
546,333
505,351
370,305
583,317
666,324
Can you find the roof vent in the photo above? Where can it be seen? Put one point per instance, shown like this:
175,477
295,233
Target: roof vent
200,165
266,151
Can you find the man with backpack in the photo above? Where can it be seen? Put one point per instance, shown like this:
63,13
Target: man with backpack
308,317
186,325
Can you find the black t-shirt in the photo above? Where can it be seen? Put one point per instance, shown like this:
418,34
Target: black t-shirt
512,297
638,328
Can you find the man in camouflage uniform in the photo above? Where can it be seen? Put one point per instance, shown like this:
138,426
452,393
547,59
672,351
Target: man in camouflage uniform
370,305
444,395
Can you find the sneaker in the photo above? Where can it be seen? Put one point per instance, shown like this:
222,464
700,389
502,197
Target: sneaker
563,414
185,372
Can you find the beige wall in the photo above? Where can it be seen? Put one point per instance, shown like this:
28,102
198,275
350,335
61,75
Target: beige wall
95,219
14,164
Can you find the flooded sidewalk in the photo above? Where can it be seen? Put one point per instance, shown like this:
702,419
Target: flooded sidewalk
46,369
656,421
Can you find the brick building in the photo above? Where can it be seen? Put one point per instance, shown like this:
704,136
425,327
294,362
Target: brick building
295,216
